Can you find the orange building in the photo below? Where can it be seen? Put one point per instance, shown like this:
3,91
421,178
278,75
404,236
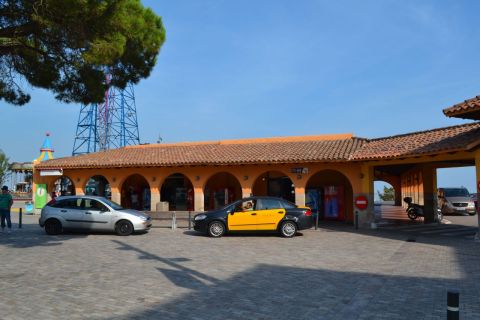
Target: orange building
325,172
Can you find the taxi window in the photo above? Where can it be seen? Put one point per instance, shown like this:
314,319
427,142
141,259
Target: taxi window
266,204
248,205
288,205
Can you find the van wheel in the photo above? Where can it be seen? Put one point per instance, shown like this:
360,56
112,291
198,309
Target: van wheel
53,227
124,228
288,229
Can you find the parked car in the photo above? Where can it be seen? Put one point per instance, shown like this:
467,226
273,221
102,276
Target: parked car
474,198
255,214
91,213
456,201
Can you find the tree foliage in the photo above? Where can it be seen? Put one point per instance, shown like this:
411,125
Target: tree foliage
4,167
66,46
388,194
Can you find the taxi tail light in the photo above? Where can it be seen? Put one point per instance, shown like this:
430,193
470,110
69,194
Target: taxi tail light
308,213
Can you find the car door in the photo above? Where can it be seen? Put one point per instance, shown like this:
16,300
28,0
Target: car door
243,217
96,215
269,213
70,210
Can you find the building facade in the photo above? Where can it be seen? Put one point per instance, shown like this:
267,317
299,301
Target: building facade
324,172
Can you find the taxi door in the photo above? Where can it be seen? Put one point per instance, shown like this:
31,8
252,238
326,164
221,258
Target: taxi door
269,214
243,217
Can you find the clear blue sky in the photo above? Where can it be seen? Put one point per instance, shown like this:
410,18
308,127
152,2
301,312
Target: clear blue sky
238,69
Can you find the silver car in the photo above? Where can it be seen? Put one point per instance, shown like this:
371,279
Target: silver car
91,213
456,201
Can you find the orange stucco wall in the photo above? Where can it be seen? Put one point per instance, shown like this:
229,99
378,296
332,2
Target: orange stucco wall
246,175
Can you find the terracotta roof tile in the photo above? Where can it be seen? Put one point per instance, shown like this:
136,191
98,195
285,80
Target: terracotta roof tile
254,151
468,109
279,150
449,139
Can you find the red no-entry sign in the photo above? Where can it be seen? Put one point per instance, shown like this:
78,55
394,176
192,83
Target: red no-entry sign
361,202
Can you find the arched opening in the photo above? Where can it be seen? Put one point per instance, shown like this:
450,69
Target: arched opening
274,184
177,190
136,193
385,193
63,186
330,195
98,186
221,189
387,199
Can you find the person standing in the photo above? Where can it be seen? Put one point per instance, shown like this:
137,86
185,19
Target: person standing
6,202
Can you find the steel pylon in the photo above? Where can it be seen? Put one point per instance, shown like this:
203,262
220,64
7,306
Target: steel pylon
109,125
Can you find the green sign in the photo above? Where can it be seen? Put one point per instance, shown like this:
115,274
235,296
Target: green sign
40,196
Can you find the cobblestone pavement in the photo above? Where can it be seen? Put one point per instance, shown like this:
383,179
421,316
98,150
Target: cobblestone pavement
333,273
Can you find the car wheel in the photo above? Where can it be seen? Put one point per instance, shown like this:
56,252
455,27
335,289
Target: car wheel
53,227
124,228
216,229
288,229
472,213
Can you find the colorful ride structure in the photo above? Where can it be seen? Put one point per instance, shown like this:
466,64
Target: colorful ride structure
108,125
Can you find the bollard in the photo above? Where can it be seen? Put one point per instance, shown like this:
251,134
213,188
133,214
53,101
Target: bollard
189,220
316,220
356,220
174,220
20,219
453,303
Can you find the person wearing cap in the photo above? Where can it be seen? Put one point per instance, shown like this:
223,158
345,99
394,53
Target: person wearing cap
6,202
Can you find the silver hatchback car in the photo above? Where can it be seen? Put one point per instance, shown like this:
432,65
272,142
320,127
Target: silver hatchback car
91,213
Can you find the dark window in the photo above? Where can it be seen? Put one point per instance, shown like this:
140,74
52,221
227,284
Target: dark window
288,205
74,203
266,204
456,192
248,205
94,205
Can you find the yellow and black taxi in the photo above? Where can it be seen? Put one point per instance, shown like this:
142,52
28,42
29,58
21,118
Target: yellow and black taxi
255,214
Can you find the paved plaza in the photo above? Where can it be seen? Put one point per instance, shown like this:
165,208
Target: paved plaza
332,273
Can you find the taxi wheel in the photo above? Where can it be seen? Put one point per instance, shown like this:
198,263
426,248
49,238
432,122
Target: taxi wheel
124,228
288,229
216,229
53,227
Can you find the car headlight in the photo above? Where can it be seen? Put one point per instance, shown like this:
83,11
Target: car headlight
471,204
200,217
143,218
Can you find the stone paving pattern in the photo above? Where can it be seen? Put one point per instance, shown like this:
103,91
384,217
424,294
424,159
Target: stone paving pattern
333,273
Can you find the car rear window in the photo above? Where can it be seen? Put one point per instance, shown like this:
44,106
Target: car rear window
265,204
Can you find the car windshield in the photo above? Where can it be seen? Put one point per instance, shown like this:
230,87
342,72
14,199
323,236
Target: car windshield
456,192
230,206
113,205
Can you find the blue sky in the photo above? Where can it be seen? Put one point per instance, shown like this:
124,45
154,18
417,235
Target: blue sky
239,69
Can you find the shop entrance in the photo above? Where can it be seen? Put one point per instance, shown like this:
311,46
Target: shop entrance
177,190
98,186
274,184
329,194
136,193
63,186
221,189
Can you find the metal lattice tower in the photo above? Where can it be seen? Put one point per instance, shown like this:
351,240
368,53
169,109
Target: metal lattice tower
109,125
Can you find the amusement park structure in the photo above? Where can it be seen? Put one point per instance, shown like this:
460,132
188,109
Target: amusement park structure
111,124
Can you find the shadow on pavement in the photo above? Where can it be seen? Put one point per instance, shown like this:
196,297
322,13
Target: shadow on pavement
282,292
